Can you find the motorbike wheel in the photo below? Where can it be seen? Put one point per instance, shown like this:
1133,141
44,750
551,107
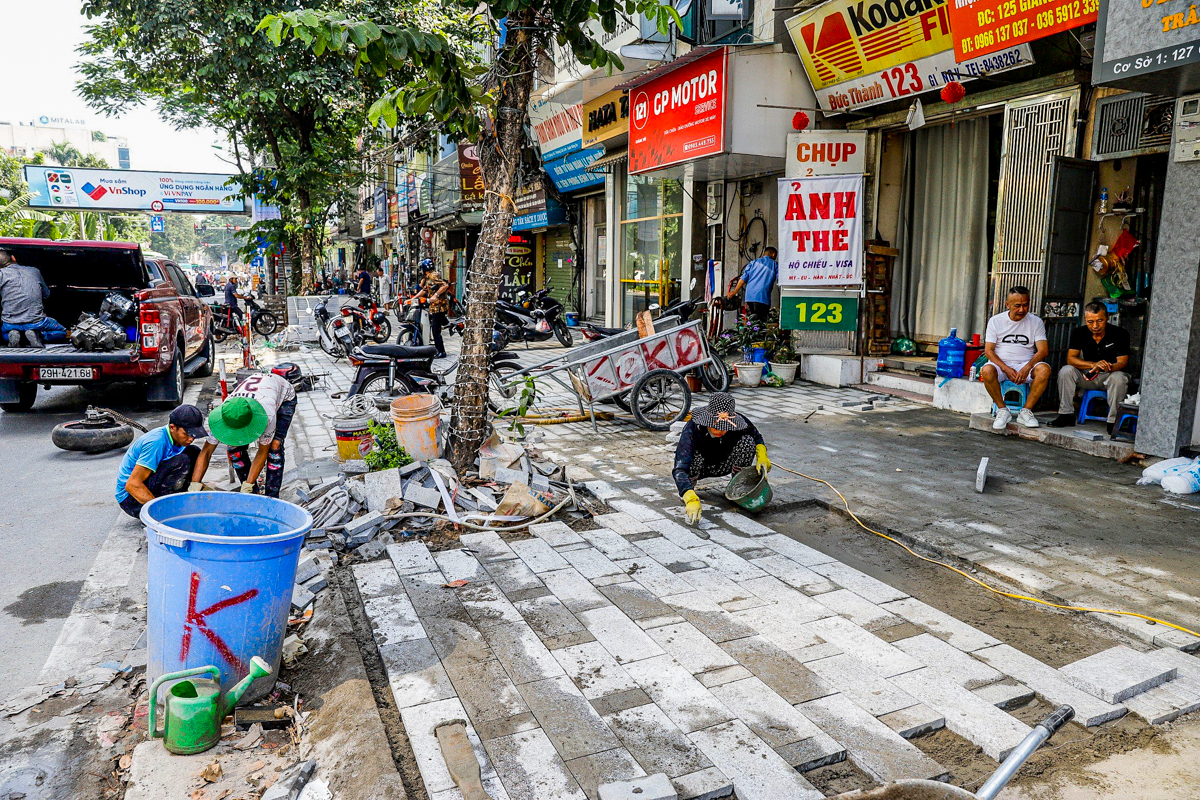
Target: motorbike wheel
383,332
219,334
407,336
659,398
563,333
377,389
265,323
503,391
715,377
330,345
84,436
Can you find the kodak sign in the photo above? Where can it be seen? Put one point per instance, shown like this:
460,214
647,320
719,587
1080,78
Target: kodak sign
847,39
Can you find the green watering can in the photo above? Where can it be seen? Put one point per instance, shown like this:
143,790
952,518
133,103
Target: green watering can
195,708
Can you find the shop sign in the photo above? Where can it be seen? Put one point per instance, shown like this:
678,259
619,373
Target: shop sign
1135,39
470,177
380,208
605,118
570,173
679,116
414,197
820,231
518,265
862,53
402,199
393,212
818,312
557,126
987,26
813,153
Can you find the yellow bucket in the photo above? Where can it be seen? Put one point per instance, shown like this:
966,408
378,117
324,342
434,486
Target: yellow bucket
353,436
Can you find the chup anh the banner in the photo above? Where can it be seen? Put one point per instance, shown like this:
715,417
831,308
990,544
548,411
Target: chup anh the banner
820,231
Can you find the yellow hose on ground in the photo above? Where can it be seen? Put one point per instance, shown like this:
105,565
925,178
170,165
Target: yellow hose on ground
972,578
546,416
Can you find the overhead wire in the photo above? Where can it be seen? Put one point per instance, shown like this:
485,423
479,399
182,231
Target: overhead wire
973,579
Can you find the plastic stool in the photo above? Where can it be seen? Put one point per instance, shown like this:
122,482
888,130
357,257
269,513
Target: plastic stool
1085,407
1015,406
1127,419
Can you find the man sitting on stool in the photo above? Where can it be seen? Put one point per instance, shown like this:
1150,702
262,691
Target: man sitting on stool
715,442
160,461
1096,357
1016,347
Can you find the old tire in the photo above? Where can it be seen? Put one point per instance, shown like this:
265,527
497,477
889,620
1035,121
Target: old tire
660,398
83,436
26,394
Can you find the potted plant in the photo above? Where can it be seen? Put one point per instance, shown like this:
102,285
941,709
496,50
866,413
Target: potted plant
784,361
750,337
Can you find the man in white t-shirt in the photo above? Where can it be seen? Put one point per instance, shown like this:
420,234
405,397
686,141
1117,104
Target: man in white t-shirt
1016,348
259,409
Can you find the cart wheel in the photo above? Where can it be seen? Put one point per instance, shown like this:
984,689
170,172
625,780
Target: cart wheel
715,376
659,398
621,400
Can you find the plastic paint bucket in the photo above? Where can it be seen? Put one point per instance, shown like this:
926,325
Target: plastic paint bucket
416,418
353,436
749,489
221,570
572,319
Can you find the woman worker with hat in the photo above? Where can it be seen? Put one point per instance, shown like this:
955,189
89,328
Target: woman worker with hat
259,409
716,441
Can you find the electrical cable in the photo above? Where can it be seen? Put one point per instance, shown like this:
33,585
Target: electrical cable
972,578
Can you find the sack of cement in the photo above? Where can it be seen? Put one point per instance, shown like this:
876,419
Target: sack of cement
521,501
1157,471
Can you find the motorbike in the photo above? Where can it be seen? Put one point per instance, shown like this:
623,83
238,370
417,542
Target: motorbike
325,334
364,324
388,371
533,318
225,323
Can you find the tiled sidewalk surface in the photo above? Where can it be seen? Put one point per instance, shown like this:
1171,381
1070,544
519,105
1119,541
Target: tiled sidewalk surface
725,656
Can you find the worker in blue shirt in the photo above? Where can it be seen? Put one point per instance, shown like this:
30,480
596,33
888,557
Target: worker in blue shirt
160,461
758,279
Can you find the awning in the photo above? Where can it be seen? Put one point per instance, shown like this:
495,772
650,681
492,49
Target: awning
606,162
670,66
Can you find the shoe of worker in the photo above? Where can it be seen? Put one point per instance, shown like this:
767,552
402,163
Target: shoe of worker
1063,421
1003,417
14,338
33,339
1026,419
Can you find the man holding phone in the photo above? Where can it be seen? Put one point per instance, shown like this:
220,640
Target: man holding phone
1097,355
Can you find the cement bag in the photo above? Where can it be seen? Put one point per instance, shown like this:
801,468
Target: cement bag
1155,472
1185,481
521,501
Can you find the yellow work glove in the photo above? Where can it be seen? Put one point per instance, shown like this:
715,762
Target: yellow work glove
693,506
195,486
761,462
247,488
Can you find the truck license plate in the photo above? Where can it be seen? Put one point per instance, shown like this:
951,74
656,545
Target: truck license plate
66,373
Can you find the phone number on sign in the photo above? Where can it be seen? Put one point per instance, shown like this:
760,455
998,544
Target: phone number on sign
1069,14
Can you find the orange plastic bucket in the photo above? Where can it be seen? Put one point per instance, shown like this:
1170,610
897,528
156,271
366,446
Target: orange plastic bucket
416,418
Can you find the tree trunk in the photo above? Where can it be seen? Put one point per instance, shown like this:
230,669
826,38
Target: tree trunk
307,270
499,160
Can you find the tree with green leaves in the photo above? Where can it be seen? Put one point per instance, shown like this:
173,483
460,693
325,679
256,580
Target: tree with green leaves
292,117
178,238
427,79
63,153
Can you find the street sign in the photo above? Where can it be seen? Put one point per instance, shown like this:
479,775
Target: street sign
156,224
818,312
256,262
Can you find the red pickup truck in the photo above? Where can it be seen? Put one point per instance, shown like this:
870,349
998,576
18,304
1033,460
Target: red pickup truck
170,338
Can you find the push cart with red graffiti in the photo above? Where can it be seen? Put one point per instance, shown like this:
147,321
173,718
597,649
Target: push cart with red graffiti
645,374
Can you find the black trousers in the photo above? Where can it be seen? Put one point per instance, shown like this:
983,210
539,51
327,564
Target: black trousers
739,458
760,310
171,477
437,321
240,456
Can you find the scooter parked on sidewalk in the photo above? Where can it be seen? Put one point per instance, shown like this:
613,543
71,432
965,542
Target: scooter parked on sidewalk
388,371
225,323
325,335
367,322
533,318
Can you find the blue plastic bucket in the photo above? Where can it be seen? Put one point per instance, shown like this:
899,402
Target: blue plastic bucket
221,571
572,319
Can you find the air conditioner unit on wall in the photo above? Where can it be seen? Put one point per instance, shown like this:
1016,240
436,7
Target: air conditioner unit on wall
1132,124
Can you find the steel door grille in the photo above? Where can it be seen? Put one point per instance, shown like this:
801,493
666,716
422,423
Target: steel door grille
1035,131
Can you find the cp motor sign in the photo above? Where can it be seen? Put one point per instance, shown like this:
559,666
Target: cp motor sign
813,153
679,116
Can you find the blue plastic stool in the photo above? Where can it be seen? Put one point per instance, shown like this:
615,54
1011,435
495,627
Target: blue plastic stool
1015,406
1085,407
1126,427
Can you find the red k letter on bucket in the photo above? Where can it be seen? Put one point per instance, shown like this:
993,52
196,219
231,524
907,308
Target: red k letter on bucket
197,618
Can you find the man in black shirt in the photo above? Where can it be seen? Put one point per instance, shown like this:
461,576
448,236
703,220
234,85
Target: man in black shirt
1096,358
715,442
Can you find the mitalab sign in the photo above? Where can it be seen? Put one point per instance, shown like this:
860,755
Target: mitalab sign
82,189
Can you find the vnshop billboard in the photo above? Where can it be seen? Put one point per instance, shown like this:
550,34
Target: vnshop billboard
988,26
679,116
126,190
860,53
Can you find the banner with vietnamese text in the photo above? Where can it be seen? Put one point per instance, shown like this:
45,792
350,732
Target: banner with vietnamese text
820,231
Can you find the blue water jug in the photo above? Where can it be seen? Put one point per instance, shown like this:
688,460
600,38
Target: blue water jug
952,356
